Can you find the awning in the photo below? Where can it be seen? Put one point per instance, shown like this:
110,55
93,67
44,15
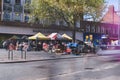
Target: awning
38,36
55,36
66,37
14,37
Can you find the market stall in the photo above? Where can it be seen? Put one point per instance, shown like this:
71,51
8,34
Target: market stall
36,41
39,36
55,36
67,37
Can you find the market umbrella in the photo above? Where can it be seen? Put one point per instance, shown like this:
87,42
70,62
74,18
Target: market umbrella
55,36
24,37
66,37
14,37
38,36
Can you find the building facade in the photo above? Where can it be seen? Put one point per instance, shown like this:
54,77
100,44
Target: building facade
111,24
14,10
14,16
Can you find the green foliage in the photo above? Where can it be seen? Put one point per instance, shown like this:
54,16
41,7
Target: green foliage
68,10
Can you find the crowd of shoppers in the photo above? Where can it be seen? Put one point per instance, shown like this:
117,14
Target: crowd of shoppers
64,47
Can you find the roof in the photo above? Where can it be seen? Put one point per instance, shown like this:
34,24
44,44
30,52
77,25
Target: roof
111,16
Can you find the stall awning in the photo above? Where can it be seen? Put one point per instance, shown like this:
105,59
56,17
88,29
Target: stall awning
39,36
55,36
14,37
66,37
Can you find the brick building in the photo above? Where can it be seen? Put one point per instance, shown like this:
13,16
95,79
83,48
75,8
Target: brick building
111,16
111,23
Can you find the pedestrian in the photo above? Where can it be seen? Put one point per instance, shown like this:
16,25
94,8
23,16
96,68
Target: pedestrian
45,47
25,46
11,48
50,47
24,50
6,44
79,47
21,46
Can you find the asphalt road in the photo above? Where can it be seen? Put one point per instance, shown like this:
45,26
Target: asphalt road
88,68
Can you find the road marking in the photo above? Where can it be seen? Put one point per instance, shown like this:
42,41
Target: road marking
103,67
62,75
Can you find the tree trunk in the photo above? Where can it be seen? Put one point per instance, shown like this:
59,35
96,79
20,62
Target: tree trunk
74,34
74,29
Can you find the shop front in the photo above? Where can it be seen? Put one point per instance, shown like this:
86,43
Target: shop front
93,38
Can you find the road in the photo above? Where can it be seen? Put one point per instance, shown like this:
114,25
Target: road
88,68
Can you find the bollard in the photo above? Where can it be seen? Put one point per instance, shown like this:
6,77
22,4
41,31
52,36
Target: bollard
23,54
10,54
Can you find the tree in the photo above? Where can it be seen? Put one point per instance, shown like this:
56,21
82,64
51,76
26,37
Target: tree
69,11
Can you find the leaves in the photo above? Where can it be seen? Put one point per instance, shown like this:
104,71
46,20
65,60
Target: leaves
67,10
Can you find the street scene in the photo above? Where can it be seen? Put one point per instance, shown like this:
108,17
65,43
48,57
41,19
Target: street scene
91,68
59,39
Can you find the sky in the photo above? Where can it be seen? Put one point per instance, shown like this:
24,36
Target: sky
113,2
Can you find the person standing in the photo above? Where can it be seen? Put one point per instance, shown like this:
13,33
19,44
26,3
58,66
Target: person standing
24,50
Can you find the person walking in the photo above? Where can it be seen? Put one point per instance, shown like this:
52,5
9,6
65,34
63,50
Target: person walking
11,48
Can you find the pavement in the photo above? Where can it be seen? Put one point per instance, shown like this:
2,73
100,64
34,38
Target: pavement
33,56
109,52
42,55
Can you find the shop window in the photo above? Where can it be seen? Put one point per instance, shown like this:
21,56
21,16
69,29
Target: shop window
91,37
102,30
7,7
18,8
6,16
110,31
88,28
17,17
6,1
116,31
17,1
98,29
93,29
28,1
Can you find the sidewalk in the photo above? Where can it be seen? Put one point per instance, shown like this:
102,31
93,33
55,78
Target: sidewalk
32,56
108,52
